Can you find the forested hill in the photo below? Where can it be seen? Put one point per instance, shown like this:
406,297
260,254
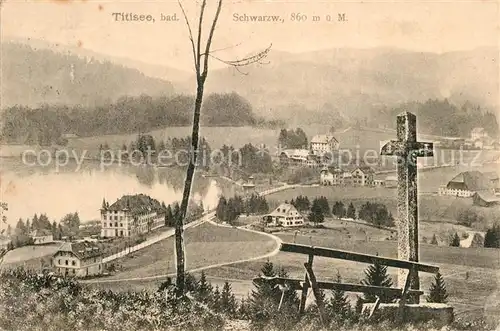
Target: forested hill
441,117
31,77
45,125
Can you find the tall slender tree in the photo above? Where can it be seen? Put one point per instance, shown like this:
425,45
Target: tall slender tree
201,56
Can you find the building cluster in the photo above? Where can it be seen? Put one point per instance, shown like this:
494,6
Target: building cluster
320,147
128,216
479,139
483,188
356,175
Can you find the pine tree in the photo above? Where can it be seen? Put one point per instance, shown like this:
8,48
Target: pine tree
376,275
316,215
437,292
215,302
220,211
339,303
492,237
169,217
455,241
227,300
204,292
243,312
351,211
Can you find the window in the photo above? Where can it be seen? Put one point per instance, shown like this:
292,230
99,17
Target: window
116,224
66,262
73,262
103,225
59,261
104,217
121,224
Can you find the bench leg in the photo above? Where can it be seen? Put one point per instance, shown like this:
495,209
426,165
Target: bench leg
375,307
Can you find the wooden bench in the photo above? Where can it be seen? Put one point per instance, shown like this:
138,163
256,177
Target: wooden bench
310,280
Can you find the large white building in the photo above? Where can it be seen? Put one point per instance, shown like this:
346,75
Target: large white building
286,215
130,215
321,144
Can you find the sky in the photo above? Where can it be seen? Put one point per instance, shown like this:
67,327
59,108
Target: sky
429,26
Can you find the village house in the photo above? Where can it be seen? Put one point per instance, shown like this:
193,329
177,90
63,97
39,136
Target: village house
330,176
363,176
286,215
485,199
467,183
130,215
78,259
41,237
298,158
322,144
478,133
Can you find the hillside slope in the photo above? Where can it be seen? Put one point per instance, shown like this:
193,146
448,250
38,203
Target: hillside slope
32,76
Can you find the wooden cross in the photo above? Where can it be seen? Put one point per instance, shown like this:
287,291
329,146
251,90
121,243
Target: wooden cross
407,150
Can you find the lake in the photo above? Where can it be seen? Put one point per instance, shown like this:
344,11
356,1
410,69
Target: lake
39,189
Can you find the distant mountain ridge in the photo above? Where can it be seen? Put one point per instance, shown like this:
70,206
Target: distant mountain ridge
32,76
355,82
342,83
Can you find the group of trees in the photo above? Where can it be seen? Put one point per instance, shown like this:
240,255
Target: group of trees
319,210
228,210
21,235
293,139
173,150
340,211
376,213
301,203
492,237
440,117
195,211
46,125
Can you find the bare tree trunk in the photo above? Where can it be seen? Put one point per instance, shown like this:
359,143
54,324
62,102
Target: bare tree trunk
179,226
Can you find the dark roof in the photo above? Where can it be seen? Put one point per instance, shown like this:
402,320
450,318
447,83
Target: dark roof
365,169
487,196
471,181
136,204
82,250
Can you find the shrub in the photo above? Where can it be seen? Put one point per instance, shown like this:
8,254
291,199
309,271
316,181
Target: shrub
43,302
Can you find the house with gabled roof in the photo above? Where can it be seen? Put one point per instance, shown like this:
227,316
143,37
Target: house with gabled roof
285,215
363,176
42,236
80,259
330,176
130,215
466,184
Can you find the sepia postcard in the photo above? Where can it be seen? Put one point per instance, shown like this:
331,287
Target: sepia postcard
249,165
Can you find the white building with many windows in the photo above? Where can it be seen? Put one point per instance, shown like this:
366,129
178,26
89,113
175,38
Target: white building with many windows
286,215
130,215
323,143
